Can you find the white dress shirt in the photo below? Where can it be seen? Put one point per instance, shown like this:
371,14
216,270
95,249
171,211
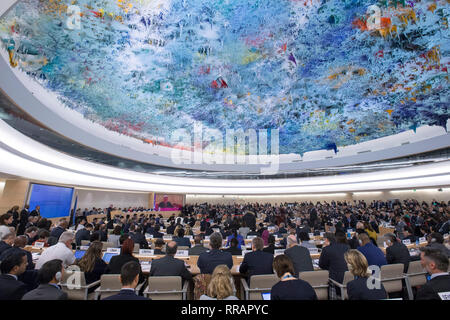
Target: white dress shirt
58,251
434,275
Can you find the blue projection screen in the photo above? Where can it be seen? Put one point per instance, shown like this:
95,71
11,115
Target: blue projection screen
54,201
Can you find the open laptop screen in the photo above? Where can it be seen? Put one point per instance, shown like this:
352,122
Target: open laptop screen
79,254
265,295
108,255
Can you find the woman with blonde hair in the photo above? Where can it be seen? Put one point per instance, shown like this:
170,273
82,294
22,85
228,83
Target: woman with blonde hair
221,286
362,287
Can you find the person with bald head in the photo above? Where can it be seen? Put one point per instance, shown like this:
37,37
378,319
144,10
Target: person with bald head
19,244
299,255
169,265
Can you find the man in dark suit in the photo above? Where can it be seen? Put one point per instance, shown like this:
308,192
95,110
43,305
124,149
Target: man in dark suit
50,274
159,244
32,235
250,220
23,219
312,216
181,240
256,262
7,242
165,203
332,255
129,277
13,266
436,264
83,234
108,213
36,212
234,248
19,244
349,221
169,266
198,247
397,252
299,255
156,233
58,231
171,228
207,261
138,237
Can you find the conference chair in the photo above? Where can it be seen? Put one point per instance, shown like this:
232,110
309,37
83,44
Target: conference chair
348,276
318,280
109,285
85,242
166,288
74,284
391,277
416,276
107,245
258,284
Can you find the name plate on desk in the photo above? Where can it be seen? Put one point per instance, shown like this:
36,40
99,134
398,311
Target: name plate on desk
39,245
406,242
149,236
113,250
311,235
146,266
206,237
146,252
422,240
182,253
167,237
251,237
313,250
322,234
350,230
277,252
84,248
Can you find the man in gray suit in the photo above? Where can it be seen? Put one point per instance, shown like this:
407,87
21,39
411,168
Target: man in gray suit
198,247
300,256
169,266
49,276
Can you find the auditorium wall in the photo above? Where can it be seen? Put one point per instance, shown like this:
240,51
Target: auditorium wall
421,195
103,199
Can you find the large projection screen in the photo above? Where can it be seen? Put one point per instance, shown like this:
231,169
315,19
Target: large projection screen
54,201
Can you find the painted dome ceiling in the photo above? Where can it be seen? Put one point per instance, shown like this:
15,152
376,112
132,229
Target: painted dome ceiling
325,73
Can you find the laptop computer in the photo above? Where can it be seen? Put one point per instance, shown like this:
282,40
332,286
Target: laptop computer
108,255
79,254
265,295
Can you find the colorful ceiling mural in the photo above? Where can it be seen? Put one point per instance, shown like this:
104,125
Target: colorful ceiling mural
325,73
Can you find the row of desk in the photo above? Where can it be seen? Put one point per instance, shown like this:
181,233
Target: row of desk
191,261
